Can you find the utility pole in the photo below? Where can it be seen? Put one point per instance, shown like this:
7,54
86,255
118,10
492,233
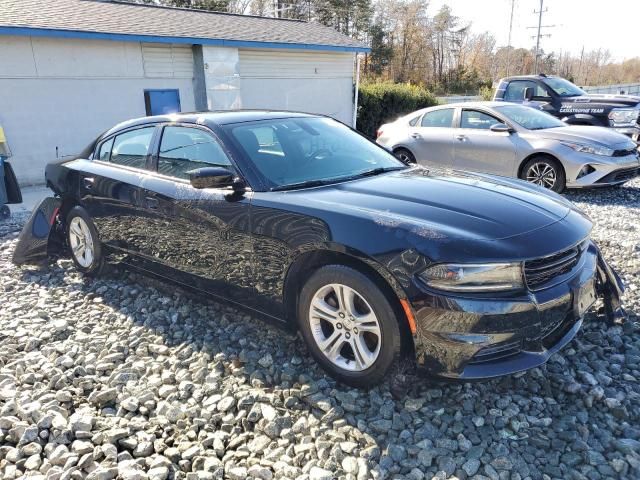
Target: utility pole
535,68
540,34
509,42
580,72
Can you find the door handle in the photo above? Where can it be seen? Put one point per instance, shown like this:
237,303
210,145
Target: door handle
88,182
416,135
461,137
151,202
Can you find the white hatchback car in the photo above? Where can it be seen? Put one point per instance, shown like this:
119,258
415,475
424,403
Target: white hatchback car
515,141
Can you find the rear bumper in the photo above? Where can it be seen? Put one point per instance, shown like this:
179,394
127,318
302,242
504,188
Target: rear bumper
479,338
39,237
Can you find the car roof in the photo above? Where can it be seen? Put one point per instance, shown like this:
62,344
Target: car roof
485,104
529,77
225,117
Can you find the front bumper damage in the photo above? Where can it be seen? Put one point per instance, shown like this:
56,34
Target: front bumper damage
478,338
610,288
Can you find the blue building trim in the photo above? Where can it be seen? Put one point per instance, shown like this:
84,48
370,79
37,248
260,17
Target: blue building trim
47,32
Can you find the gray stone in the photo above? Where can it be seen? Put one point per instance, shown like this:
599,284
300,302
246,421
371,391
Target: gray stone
103,397
471,466
317,473
237,473
260,472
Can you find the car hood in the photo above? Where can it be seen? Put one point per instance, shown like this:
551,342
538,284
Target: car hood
585,134
616,101
445,204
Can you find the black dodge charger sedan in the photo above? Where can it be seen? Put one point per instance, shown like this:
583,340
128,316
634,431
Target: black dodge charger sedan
300,219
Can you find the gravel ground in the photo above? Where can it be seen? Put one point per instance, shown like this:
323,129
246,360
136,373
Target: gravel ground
116,378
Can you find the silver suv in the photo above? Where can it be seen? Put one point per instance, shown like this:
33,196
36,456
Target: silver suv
515,141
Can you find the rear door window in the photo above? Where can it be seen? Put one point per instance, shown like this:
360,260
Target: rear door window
438,119
130,148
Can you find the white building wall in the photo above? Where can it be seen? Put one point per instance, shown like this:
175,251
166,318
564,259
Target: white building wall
222,77
306,81
57,95
299,80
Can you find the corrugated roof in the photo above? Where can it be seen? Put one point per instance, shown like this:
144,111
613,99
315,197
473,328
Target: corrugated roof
123,21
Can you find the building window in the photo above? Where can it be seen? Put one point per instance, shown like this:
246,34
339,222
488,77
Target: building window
162,102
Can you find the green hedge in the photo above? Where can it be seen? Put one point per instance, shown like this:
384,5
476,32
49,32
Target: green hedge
384,102
486,93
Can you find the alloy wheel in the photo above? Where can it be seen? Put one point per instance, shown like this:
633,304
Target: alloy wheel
543,174
345,328
81,242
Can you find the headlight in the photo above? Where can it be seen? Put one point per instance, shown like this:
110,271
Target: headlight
623,116
593,149
489,277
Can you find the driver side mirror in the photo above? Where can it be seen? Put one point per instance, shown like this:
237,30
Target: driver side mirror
528,94
215,177
501,128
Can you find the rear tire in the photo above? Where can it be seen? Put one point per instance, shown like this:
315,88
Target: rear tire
545,172
84,242
405,156
349,325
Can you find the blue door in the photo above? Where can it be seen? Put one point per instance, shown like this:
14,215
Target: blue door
162,102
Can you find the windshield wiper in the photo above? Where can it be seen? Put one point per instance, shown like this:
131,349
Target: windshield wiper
306,184
378,171
328,181
373,172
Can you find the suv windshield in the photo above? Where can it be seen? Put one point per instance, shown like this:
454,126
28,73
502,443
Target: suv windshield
530,118
564,88
302,152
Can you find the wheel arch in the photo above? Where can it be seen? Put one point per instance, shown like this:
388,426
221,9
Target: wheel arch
547,155
583,119
306,263
401,147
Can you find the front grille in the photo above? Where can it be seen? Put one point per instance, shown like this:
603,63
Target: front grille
625,152
497,352
620,175
555,335
542,270
547,327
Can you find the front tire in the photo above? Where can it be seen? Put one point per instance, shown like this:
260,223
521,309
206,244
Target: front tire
84,242
349,325
405,156
545,172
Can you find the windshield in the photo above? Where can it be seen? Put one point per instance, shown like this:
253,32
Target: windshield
564,88
298,151
529,118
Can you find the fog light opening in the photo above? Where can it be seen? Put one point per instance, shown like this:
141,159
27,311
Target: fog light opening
586,170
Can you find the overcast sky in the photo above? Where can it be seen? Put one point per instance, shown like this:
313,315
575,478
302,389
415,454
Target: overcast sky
610,24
